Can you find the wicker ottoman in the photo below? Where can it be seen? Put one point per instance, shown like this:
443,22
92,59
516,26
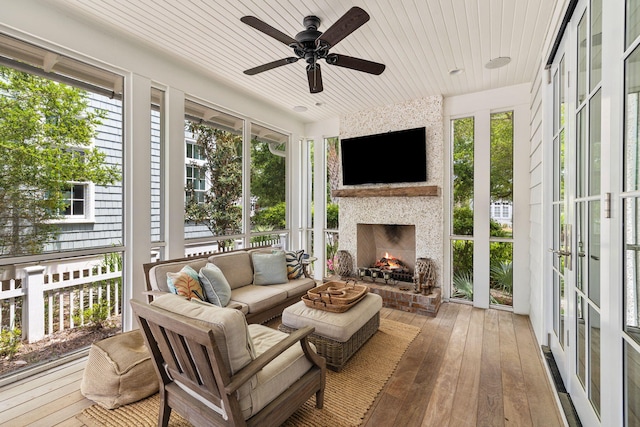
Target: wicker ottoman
338,335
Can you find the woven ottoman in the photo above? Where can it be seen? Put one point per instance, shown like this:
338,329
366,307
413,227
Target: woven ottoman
119,371
337,335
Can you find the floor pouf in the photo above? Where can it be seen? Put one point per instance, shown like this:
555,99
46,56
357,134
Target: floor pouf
119,371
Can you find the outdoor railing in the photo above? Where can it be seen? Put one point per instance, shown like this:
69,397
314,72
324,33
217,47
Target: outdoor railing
40,304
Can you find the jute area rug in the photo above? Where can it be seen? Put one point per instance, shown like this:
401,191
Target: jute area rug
348,394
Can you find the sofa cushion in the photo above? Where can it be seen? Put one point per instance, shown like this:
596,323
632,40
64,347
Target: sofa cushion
258,298
269,269
186,283
297,286
158,273
278,375
236,267
215,285
295,268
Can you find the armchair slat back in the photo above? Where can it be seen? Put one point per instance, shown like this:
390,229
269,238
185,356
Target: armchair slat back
186,354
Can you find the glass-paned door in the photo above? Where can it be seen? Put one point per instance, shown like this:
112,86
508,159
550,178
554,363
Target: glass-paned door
560,237
631,214
576,208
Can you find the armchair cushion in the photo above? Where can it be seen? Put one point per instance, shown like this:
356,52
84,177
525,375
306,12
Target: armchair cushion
278,375
229,327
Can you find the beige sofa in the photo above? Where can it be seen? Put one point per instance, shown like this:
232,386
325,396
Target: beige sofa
259,303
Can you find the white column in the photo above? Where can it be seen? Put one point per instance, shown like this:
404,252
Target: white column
174,170
137,184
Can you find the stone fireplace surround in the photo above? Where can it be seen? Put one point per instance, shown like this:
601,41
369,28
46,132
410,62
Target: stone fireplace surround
381,205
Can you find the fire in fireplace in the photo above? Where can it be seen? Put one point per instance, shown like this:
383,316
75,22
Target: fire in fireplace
389,262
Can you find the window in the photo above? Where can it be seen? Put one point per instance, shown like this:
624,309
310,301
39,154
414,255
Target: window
75,200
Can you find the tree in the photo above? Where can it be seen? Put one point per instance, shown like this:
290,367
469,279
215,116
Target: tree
221,211
46,129
267,174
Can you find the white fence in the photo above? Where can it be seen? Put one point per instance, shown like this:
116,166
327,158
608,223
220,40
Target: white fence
41,304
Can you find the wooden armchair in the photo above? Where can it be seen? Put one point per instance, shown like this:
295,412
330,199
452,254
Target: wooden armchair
210,366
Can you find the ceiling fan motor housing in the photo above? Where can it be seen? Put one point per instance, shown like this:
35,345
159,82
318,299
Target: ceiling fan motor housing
307,48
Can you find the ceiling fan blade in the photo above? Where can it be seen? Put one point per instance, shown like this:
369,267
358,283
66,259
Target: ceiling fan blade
347,24
315,78
355,63
268,30
270,65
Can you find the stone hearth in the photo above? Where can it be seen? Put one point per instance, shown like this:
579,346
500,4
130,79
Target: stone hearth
409,301
404,300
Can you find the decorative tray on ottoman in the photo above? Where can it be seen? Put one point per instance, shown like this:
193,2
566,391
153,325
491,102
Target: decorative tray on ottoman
335,296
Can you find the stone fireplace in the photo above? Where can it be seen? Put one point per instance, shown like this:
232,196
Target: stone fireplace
383,241
415,210
367,208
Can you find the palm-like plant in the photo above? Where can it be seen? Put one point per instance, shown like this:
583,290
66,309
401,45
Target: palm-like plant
463,285
502,275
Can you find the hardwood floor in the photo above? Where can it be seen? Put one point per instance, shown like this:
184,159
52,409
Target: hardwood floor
467,367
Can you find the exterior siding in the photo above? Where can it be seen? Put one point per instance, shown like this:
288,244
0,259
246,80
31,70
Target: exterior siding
107,227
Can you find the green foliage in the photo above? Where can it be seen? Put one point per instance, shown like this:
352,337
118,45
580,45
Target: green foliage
462,221
463,145
463,285
10,340
271,218
267,175
502,276
462,255
221,211
332,216
502,156
94,316
46,129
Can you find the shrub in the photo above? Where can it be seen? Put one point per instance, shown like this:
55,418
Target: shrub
10,340
95,315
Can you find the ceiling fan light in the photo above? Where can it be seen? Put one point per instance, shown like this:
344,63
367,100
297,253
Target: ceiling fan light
498,62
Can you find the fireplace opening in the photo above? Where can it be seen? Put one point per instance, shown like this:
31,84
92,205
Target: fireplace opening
387,251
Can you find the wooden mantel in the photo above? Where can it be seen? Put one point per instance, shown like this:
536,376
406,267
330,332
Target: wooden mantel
413,191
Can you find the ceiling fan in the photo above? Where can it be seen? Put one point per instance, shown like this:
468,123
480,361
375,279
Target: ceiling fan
312,45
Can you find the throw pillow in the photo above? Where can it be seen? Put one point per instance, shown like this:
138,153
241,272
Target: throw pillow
269,269
295,268
185,283
215,285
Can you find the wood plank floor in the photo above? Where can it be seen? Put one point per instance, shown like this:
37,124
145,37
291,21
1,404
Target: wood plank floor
467,367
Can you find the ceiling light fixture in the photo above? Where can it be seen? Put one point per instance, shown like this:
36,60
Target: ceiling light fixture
300,108
498,62
455,71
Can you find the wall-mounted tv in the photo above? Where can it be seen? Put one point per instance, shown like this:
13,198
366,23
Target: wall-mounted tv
385,158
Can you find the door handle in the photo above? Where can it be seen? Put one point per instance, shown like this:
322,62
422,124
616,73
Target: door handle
560,252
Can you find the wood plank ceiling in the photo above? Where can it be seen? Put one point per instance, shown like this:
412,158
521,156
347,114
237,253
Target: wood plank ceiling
420,41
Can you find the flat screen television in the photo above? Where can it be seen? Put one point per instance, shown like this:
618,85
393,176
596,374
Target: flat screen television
385,158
